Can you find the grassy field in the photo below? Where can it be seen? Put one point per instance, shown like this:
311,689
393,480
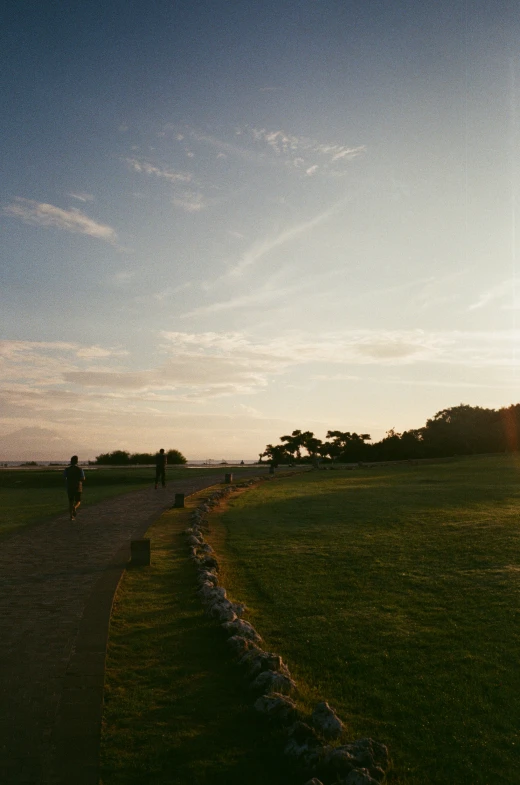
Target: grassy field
176,712
29,496
393,593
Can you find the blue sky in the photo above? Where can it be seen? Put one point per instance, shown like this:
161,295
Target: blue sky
225,220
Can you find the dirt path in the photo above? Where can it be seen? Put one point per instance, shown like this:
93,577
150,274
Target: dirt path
57,581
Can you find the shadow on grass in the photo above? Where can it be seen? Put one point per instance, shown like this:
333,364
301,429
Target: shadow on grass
176,708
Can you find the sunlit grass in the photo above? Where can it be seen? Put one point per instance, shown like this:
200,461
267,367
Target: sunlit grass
393,593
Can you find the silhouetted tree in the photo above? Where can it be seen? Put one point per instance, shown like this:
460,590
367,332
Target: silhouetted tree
116,458
463,430
123,458
276,454
293,444
142,458
458,430
175,457
510,422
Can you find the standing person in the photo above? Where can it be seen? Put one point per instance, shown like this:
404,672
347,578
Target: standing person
74,479
160,468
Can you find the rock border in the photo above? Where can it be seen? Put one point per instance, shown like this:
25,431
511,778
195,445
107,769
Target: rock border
270,684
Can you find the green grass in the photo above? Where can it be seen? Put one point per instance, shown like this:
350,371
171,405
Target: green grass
30,496
393,593
176,710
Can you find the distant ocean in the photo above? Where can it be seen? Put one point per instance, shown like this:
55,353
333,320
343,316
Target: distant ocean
190,463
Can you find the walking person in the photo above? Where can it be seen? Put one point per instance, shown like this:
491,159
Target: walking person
74,479
160,468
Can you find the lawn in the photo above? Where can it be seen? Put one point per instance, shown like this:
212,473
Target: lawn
393,593
29,496
176,712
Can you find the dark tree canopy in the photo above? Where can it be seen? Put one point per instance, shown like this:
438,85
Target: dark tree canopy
459,430
123,458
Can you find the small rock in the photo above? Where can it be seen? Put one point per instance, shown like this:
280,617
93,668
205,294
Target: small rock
326,721
209,563
265,661
303,734
206,548
244,629
277,706
340,761
192,540
377,774
270,681
314,781
239,644
252,651
211,593
370,753
222,611
205,576
359,777
303,744
238,608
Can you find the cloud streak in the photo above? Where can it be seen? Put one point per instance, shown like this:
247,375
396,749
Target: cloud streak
145,167
105,390
501,291
43,214
264,247
302,152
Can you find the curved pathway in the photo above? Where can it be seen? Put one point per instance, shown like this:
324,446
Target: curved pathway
57,582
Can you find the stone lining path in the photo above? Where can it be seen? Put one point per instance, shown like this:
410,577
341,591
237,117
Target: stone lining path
57,582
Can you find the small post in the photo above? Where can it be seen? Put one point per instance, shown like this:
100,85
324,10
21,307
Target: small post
140,553
228,478
179,500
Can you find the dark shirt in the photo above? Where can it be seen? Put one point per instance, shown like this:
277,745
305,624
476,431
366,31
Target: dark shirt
74,477
161,460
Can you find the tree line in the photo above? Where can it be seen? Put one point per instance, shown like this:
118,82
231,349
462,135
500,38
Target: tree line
459,430
123,458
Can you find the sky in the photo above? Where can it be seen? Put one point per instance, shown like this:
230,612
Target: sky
222,221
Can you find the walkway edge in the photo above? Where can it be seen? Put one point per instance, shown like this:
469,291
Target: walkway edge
76,738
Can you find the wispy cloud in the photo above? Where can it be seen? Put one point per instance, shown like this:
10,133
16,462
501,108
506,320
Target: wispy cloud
282,142
273,289
145,167
365,347
262,248
203,365
302,151
43,363
121,278
103,390
256,299
227,148
169,291
258,145
81,197
42,214
189,201
505,289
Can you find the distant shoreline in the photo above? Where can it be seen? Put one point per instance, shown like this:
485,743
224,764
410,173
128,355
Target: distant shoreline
209,462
